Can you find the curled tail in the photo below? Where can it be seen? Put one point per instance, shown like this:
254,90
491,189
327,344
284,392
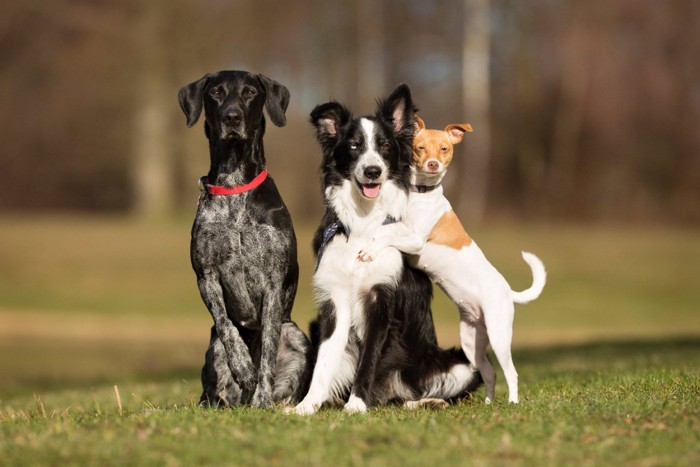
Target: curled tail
539,277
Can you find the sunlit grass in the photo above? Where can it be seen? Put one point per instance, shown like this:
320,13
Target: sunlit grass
608,404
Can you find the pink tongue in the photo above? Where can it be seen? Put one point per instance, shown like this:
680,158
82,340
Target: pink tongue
371,191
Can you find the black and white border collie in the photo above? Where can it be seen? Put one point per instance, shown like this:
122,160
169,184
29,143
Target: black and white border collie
376,339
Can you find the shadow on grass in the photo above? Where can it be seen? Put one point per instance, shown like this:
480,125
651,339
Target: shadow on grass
540,363
625,355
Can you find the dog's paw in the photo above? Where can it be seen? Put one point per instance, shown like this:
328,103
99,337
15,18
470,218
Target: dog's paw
247,381
355,405
303,408
368,253
436,404
261,399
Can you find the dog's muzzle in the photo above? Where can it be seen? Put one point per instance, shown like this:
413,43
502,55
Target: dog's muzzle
370,183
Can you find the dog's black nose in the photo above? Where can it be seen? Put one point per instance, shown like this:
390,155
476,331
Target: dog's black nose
373,172
233,117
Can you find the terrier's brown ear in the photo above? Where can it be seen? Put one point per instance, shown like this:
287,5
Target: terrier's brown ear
420,124
457,130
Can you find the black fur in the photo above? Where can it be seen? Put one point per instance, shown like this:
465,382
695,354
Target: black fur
243,248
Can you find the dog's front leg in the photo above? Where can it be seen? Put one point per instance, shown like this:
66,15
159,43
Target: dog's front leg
376,309
334,329
239,360
396,235
271,330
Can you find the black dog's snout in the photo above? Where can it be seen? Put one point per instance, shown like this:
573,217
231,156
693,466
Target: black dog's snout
233,117
372,172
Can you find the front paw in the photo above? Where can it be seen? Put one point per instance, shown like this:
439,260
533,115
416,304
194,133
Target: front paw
303,408
368,253
355,405
247,384
261,399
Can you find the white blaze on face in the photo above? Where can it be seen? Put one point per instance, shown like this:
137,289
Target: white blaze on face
370,158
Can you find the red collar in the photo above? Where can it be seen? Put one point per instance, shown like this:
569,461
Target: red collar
222,190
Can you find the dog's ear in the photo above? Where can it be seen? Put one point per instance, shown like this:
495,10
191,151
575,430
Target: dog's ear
398,110
420,124
457,130
276,100
190,98
329,119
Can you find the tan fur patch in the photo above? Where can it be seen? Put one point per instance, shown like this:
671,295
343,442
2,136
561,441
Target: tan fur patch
448,231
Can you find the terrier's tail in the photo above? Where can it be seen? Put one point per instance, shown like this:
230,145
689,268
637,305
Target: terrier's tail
539,278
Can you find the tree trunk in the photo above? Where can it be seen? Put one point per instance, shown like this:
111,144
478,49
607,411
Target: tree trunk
370,53
152,162
471,200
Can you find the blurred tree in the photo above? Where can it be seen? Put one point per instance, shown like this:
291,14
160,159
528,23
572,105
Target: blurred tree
371,73
580,109
476,53
152,158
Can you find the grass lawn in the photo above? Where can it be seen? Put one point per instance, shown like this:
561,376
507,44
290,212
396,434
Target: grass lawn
608,357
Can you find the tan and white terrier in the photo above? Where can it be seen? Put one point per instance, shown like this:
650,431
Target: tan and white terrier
433,237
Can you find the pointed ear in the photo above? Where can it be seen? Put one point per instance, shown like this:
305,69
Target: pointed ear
457,130
276,100
329,119
398,111
190,98
420,124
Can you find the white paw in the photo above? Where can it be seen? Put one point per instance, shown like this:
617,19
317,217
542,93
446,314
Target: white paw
487,401
355,405
368,253
303,408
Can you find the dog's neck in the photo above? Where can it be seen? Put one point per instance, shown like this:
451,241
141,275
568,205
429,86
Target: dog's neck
419,178
237,161
362,216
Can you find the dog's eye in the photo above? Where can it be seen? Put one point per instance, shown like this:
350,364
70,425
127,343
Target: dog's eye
216,93
443,149
354,146
385,146
421,148
249,92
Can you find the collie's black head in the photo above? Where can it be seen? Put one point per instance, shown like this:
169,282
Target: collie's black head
367,151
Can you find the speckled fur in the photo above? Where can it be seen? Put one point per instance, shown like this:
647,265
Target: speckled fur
244,250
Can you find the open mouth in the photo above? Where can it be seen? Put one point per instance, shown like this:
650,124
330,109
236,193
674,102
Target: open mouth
370,190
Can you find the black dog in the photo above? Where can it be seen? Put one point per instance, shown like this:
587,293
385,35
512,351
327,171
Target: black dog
243,248
376,333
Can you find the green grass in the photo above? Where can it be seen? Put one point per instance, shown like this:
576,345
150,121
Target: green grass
604,404
608,356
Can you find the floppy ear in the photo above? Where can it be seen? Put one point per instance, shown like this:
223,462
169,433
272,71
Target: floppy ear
398,111
190,98
457,130
329,119
276,100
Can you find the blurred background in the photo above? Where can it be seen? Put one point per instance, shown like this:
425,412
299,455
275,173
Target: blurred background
585,150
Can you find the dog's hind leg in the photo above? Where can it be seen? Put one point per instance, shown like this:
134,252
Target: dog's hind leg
293,365
474,341
500,334
218,387
448,375
238,356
